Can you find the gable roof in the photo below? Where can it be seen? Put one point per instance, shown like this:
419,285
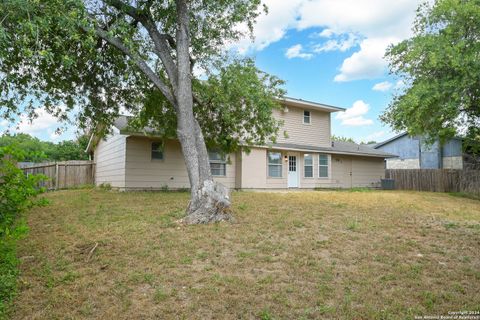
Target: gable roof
376,146
398,136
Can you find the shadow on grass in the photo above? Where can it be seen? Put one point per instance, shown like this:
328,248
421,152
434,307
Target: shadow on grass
465,195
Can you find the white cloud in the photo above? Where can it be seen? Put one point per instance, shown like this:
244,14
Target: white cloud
382,86
368,63
340,44
375,136
354,116
270,27
296,52
42,122
44,126
379,22
326,33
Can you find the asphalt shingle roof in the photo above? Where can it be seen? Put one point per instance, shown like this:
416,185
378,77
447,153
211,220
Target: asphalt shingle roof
338,147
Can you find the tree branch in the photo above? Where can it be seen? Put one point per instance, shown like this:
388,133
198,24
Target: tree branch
141,64
159,40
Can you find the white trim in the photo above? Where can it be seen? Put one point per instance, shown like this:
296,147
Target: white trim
329,161
221,161
275,164
312,165
324,151
309,117
310,104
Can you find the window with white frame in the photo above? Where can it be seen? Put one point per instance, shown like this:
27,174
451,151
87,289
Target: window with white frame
306,117
323,166
274,164
157,151
218,163
308,166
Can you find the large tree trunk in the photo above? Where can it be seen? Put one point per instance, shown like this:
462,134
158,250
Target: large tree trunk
210,201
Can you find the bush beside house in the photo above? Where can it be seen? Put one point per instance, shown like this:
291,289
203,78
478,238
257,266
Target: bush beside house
17,193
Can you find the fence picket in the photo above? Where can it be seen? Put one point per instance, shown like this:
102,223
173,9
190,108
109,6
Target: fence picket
436,180
66,174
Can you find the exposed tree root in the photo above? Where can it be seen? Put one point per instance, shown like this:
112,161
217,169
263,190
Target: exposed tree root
211,203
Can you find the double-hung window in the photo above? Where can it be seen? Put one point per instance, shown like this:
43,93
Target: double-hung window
323,166
218,163
306,117
274,164
157,151
308,166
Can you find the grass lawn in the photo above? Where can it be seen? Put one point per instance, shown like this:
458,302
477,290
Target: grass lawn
312,255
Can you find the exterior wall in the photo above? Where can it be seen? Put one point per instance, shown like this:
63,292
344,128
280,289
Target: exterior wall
316,181
453,162
367,172
414,153
344,171
430,155
317,133
341,171
452,148
396,163
404,147
143,172
254,169
109,157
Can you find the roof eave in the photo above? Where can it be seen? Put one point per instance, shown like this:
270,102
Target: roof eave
383,156
309,104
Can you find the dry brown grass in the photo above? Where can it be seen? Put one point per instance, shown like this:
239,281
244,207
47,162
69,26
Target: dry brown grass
324,254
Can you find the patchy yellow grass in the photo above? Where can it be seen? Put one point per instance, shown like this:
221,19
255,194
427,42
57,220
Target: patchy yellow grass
324,254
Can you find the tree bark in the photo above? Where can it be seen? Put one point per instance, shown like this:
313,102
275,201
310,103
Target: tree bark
210,201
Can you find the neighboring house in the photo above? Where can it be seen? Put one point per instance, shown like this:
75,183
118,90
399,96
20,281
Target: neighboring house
414,153
304,158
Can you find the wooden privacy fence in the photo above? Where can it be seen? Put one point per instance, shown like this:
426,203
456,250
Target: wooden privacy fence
436,180
66,174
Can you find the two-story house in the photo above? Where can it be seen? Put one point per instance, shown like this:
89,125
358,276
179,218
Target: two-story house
303,158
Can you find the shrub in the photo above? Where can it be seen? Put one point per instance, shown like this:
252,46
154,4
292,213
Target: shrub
17,193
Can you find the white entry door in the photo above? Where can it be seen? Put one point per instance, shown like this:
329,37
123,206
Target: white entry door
292,172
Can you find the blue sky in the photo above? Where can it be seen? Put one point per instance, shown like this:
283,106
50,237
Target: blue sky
328,51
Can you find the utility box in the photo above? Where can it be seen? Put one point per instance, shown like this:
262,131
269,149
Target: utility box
388,184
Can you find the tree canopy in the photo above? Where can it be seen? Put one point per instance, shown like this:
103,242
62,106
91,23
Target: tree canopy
97,56
440,66
342,138
36,150
144,57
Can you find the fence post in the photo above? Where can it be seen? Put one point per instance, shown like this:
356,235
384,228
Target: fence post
56,175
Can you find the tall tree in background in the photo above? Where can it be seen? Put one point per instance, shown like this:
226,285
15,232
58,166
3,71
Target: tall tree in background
139,55
36,150
440,65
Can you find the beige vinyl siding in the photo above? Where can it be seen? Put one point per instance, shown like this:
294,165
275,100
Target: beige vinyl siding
315,181
109,159
317,133
143,172
254,168
278,183
365,171
341,168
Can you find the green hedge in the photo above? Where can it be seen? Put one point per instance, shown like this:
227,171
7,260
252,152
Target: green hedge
17,193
